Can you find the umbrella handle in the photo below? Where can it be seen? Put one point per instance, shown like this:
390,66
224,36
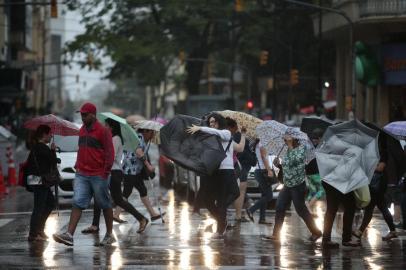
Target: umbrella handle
280,151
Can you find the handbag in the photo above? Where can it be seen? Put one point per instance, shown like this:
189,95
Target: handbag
375,184
51,178
271,180
362,197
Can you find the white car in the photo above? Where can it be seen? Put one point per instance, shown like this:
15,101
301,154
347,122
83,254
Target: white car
67,149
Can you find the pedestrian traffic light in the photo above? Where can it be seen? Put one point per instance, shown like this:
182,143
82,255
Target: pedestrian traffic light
294,77
54,9
263,58
250,105
239,5
182,57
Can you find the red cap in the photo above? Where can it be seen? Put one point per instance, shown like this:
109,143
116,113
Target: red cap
88,108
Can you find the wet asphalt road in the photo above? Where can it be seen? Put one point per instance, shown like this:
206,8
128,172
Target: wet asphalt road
183,242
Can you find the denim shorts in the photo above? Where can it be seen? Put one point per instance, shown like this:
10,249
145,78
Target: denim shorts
85,187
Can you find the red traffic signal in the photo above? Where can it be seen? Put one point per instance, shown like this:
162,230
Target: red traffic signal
250,105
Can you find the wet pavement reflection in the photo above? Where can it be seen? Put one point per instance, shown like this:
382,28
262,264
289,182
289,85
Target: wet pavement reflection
184,242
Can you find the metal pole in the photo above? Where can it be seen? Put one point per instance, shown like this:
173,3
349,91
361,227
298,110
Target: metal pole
320,53
290,83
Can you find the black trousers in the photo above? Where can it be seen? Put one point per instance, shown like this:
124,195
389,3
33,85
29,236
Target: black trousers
219,191
334,198
377,199
44,202
116,194
134,181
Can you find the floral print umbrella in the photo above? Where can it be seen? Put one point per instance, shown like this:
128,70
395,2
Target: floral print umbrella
243,120
270,134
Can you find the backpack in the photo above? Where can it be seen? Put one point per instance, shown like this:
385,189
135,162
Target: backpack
250,155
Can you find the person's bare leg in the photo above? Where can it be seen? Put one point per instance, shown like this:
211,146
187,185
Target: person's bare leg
74,219
108,218
240,200
147,204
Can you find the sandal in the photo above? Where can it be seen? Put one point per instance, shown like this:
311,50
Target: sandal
158,216
90,230
143,225
119,220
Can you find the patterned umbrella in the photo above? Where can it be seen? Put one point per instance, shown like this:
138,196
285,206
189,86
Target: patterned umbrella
58,125
243,120
397,128
151,125
270,134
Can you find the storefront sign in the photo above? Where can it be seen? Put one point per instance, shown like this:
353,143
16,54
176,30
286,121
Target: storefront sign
394,64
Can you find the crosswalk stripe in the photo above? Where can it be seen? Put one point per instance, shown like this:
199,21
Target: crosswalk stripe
4,221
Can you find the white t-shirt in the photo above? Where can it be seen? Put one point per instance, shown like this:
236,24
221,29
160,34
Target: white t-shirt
260,162
225,136
118,153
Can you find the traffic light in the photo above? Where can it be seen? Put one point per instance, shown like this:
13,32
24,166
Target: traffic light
182,57
263,58
239,5
54,9
294,77
250,105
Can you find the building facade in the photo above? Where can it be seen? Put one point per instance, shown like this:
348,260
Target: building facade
380,26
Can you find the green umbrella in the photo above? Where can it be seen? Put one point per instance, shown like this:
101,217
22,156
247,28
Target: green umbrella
130,137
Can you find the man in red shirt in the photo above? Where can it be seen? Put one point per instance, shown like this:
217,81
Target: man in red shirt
93,165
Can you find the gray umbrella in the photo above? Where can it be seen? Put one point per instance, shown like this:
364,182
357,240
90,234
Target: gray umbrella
347,155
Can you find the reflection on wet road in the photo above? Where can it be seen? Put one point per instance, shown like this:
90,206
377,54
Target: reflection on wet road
183,242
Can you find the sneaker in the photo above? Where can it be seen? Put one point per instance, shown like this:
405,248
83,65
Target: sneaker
143,225
63,238
244,219
357,234
389,236
329,244
107,240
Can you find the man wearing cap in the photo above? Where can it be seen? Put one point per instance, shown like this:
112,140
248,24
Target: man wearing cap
94,161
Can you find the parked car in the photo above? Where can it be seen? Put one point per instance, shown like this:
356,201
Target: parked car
67,148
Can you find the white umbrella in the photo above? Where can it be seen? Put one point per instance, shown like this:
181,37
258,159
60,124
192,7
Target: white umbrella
150,125
347,155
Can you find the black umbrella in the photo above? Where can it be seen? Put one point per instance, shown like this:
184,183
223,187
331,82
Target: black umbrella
394,149
200,152
309,124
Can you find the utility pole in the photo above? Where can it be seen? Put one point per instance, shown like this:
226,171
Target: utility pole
320,60
44,41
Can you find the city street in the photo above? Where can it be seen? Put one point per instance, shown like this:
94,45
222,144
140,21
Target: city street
183,242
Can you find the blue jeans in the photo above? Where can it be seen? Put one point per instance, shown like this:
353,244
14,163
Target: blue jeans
266,194
85,187
297,195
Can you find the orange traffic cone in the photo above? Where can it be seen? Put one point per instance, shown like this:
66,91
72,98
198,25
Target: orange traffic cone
3,189
12,177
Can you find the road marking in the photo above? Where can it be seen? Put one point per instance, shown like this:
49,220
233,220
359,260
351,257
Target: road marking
29,212
4,221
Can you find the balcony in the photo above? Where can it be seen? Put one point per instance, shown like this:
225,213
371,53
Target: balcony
374,8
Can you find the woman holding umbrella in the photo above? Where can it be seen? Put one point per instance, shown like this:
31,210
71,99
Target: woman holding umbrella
222,188
41,160
115,183
293,168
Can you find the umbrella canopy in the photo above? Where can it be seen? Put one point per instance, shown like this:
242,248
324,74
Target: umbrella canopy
397,128
134,119
270,134
309,124
347,155
58,125
151,125
130,137
243,120
199,152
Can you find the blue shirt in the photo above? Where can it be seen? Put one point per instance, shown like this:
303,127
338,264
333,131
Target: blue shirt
132,165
